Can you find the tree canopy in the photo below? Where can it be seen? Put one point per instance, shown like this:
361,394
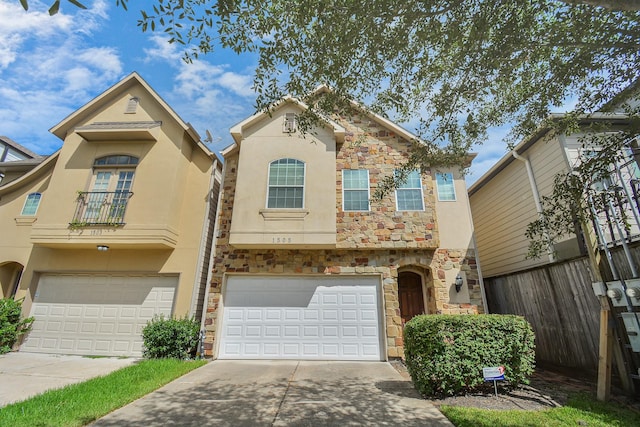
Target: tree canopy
459,67
455,67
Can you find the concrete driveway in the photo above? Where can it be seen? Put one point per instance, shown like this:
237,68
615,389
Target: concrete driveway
23,375
282,393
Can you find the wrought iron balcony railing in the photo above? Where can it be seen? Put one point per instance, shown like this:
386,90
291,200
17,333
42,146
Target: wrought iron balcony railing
101,208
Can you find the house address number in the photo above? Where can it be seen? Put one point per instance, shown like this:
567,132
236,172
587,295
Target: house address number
281,240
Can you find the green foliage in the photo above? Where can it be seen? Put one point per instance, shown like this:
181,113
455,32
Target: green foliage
170,338
581,410
456,67
445,354
82,403
579,195
12,326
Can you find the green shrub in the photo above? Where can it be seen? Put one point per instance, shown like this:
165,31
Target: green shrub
11,326
445,354
168,337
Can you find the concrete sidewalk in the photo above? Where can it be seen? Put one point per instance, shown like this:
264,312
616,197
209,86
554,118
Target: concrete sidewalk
23,375
282,393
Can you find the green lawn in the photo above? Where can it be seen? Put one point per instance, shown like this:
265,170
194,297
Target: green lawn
80,404
581,410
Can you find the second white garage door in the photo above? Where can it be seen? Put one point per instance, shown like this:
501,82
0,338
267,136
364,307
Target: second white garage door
326,318
96,314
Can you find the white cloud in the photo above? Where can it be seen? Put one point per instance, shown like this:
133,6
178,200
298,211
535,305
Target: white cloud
240,84
48,68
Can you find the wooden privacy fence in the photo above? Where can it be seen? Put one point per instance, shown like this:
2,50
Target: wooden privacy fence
559,302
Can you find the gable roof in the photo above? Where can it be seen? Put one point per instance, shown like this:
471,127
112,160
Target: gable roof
23,150
32,169
72,120
238,129
540,133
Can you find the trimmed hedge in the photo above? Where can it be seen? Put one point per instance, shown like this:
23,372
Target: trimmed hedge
170,338
445,354
11,326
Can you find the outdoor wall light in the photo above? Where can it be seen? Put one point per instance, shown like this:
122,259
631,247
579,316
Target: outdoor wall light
103,248
458,283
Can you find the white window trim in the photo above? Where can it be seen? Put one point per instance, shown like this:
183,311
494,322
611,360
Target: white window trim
453,182
412,188
24,205
304,185
357,189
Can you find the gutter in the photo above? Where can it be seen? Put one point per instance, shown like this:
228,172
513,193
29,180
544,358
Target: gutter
536,195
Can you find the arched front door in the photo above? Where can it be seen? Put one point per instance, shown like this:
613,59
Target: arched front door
410,295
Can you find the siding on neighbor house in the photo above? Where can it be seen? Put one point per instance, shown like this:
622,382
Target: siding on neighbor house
504,206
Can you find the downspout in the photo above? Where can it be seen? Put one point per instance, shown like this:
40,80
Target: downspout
536,196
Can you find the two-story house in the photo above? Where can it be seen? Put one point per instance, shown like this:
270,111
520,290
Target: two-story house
111,229
307,265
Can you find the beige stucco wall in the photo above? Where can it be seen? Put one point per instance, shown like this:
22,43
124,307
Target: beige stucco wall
313,226
15,229
164,217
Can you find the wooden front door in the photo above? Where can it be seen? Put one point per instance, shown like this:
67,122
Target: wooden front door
410,295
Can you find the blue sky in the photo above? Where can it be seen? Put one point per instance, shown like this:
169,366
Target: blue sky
50,66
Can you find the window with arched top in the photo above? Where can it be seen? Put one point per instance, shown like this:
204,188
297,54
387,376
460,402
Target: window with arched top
286,184
31,204
110,190
116,160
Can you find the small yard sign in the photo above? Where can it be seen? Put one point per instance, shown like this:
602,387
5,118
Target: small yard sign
493,373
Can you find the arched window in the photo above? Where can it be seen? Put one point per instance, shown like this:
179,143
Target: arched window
286,184
31,204
117,160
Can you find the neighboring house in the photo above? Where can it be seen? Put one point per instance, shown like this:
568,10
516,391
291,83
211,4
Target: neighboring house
555,293
110,230
308,266
15,160
506,199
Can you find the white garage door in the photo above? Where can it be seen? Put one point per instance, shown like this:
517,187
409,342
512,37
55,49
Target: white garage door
96,315
327,318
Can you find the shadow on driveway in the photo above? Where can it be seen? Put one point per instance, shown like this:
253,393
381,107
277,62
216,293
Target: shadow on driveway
283,393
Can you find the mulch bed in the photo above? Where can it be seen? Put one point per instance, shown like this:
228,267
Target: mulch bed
547,389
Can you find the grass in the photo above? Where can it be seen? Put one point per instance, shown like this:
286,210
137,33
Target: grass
581,410
82,403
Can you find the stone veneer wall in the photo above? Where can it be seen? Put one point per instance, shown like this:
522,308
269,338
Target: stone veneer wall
383,226
382,241
386,263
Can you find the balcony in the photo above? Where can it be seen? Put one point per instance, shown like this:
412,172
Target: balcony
100,208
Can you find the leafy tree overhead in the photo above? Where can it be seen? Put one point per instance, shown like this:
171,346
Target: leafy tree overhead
457,67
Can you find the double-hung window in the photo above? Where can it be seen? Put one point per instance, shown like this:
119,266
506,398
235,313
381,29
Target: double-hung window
355,189
286,184
445,186
409,196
